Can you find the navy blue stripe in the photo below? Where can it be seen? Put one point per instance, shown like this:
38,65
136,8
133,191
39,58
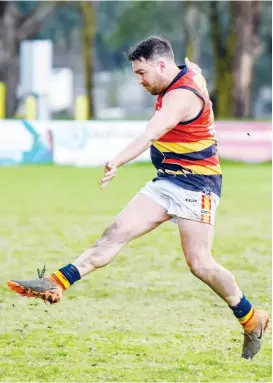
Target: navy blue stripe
242,308
194,156
71,273
195,182
156,156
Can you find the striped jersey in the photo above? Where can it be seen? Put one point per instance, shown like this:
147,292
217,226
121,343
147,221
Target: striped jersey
187,154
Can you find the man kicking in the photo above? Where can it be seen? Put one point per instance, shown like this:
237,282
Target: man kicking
187,189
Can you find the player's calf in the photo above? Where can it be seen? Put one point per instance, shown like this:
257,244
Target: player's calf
51,288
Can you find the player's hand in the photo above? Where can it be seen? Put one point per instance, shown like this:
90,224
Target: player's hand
192,66
110,171
198,77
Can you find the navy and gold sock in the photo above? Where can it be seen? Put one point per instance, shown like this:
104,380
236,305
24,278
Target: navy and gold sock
244,312
66,276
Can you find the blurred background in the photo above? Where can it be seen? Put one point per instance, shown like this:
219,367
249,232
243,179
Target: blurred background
69,96
57,51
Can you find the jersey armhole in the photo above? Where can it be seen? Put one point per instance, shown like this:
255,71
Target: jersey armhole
201,111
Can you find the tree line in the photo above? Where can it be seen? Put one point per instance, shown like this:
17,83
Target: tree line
231,38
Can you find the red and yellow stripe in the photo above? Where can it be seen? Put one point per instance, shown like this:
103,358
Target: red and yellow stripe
206,167
183,147
186,134
60,279
206,205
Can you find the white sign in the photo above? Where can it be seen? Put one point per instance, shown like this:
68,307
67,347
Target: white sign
36,57
22,143
61,89
93,143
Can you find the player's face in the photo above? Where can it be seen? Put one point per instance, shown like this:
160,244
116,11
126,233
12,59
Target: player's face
150,75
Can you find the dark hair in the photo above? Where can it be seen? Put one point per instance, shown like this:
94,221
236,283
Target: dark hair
149,48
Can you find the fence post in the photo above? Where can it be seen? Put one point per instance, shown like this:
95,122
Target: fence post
30,108
82,108
2,100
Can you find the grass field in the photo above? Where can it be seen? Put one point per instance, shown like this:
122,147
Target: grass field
144,318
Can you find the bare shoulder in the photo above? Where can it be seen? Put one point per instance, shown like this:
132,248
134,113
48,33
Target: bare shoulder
185,96
183,103
180,105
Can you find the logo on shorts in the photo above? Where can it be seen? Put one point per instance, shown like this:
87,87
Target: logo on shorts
205,212
190,200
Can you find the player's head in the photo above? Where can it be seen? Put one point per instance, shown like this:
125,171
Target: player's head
150,60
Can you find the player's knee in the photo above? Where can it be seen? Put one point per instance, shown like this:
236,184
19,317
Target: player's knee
201,267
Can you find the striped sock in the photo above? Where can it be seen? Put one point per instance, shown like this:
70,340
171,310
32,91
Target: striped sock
245,313
66,276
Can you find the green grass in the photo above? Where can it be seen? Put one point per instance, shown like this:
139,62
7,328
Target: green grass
143,318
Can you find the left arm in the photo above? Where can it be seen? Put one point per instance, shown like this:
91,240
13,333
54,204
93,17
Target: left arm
177,106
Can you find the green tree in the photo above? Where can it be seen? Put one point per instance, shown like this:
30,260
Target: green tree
247,48
191,30
136,20
16,26
230,43
235,51
87,11
223,48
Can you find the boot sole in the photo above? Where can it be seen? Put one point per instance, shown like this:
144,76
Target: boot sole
47,296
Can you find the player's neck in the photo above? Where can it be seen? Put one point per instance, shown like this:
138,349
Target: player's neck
172,72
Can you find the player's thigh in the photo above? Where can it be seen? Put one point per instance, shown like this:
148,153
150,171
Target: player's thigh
196,239
141,215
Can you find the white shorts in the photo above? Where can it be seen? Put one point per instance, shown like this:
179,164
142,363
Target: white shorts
182,203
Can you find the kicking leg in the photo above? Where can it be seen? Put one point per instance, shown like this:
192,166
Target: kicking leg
140,216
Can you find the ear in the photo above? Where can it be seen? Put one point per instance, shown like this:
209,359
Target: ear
161,65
